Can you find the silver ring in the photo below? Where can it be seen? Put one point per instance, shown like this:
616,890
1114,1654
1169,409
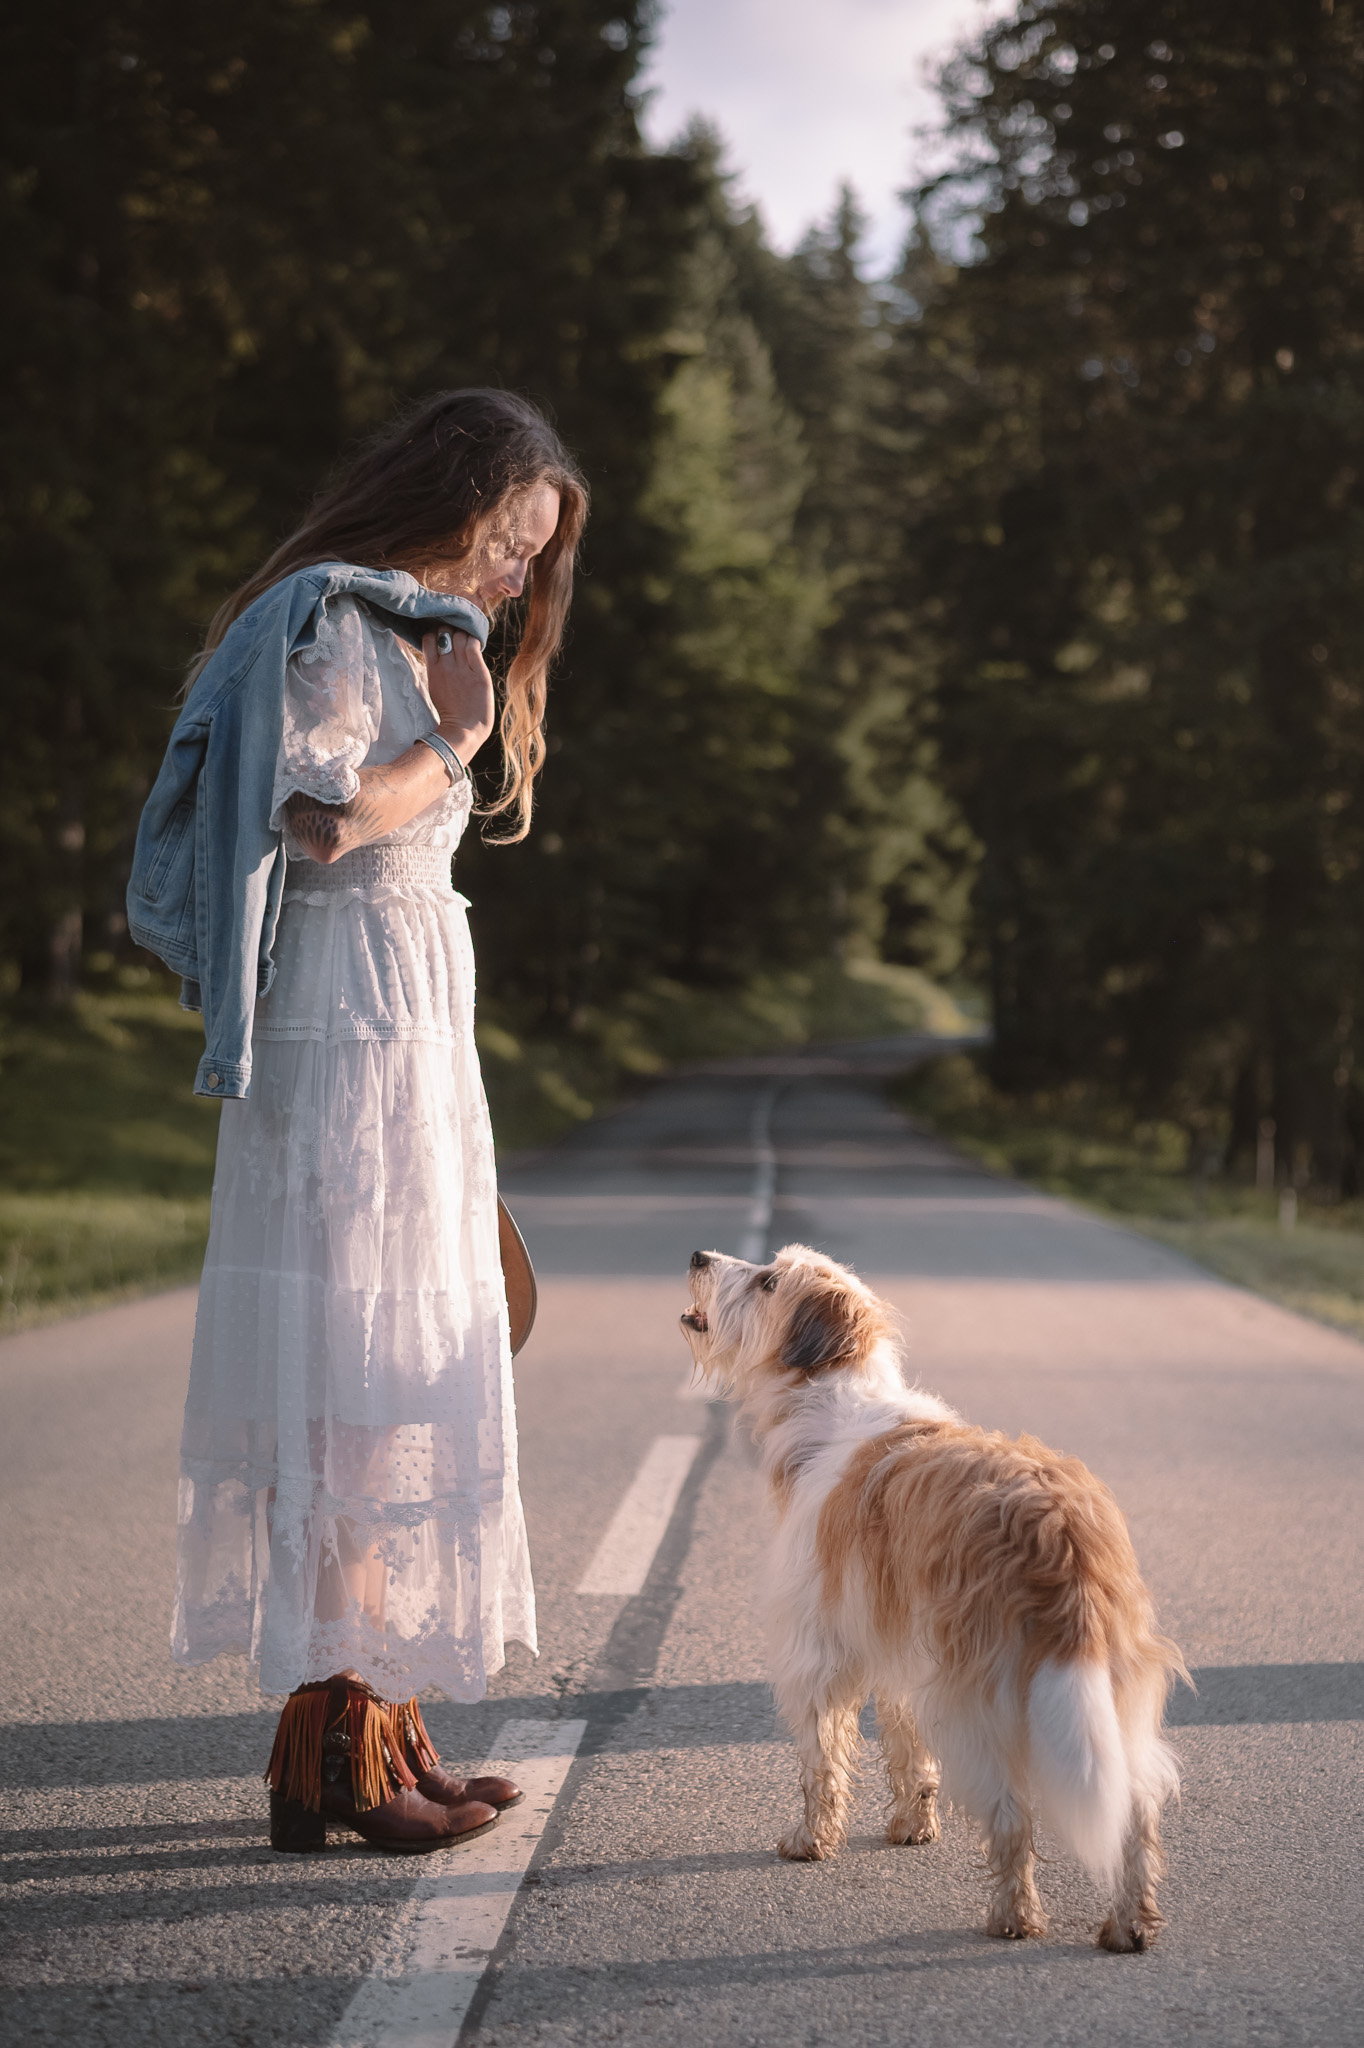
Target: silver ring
445,641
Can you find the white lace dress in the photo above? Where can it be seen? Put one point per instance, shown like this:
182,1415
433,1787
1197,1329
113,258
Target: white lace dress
349,1493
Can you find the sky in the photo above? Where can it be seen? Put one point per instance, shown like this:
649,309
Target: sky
808,93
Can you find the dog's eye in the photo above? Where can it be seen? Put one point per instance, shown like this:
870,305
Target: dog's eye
769,1283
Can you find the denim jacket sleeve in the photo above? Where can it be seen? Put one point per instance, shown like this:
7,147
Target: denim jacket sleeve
208,872
234,926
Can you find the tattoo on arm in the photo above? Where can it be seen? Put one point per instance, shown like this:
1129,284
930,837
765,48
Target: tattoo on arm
326,831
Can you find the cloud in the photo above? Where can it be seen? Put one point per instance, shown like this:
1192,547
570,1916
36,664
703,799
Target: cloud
808,93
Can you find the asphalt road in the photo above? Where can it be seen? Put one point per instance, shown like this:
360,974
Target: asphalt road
142,1904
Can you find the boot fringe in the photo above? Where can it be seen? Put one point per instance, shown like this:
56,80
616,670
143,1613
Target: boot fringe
316,1711
295,1767
378,1768
409,1730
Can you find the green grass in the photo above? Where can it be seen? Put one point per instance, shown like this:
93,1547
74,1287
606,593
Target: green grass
68,1251
106,1157
1072,1143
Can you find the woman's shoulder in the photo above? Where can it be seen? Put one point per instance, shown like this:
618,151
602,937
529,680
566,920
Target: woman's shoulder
334,591
353,653
347,630
347,616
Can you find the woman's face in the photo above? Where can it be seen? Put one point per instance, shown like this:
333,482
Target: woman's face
498,571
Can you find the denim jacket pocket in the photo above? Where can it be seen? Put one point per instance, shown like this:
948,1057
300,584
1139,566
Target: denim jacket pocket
172,839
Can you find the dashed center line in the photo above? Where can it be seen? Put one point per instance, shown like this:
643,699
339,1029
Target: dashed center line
758,1225
457,1912
626,1551
753,1244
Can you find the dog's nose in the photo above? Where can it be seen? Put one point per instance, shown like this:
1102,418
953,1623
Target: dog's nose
699,1259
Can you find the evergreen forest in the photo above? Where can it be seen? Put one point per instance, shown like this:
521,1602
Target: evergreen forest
1001,618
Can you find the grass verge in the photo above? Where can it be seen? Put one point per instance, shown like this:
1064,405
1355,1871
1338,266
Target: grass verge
106,1157
1072,1144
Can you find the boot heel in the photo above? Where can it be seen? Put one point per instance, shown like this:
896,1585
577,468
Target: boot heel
294,1827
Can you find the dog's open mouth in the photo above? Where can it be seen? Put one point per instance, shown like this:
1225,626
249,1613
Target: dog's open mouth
695,1318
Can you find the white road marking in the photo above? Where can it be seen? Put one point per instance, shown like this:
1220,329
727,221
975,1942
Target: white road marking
626,1551
601,1209
459,1907
1052,1207
753,1244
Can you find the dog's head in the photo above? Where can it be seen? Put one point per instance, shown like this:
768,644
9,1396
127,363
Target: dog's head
757,1329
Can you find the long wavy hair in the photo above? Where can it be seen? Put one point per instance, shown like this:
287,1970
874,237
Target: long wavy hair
439,488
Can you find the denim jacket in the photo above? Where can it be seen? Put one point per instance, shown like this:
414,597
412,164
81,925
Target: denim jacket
208,873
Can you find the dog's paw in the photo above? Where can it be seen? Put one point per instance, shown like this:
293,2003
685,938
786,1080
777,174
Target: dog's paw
1015,1923
800,1846
1130,1935
917,1824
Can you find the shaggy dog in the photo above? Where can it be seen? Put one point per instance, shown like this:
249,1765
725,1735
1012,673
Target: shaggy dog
984,1590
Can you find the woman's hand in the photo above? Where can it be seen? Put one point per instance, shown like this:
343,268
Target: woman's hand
461,692
460,688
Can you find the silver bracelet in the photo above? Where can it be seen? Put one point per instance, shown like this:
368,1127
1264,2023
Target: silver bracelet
448,755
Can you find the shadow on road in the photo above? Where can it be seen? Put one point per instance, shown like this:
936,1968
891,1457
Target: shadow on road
679,1717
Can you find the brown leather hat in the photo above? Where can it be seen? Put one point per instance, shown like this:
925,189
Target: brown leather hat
518,1274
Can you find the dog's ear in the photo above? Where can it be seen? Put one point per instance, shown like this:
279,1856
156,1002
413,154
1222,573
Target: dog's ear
824,1329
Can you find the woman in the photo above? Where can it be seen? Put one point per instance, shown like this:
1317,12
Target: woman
350,1514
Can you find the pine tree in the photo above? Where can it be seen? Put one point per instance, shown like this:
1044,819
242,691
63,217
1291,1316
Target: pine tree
235,237
1142,559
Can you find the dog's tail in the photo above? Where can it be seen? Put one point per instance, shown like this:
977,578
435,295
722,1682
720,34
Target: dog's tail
1080,1771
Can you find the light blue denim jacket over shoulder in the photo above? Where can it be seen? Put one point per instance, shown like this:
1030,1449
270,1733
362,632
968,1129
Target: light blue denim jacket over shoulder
208,872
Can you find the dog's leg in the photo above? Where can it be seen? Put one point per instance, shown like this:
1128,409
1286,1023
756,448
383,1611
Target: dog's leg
1136,1919
827,1744
912,1774
1015,1908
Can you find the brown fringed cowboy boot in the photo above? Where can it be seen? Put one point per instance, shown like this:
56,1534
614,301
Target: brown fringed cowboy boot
335,1759
430,1776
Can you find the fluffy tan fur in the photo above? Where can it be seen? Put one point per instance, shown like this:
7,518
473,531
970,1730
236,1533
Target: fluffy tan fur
985,1590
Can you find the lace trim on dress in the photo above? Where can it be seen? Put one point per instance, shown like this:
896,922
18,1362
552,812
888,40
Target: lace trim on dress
332,783
437,1658
450,1511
